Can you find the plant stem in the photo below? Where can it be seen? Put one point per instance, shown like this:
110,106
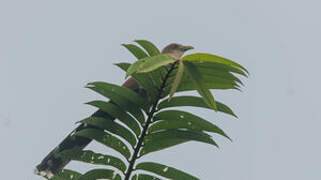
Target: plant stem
149,120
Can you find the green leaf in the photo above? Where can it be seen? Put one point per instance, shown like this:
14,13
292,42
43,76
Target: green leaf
195,77
194,102
173,119
135,50
149,64
157,76
165,171
123,65
66,174
133,68
164,139
113,127
155,62
106,139
149,47
100,174
126,99
144,177
105,89
119,114
223,74
219,67
77,154
212,76
143,79
207,79
212,58
188,86
177,80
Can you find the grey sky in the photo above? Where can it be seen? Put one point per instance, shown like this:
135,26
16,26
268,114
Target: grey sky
50,49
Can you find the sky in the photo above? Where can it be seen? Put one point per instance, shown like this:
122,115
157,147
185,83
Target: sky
49,50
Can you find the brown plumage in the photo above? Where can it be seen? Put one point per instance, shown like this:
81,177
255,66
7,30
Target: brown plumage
51,164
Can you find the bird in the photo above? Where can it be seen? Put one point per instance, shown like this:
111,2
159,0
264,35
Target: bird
52,164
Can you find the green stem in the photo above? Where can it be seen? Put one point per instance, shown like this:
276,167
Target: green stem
149,120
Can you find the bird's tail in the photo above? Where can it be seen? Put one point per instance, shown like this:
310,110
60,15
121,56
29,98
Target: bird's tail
52,163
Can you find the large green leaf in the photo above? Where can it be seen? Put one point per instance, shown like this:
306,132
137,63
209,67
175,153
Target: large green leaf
224,74
100,174
210,79
106,139
116,112
135,50
91,157
126,99
155,62
177,80
188,86
207,79
196,79
149,64
157,76
195,102
174,119
66,174
219,67
212,76
165,171
144,177
133,68
164,139
151,81
146,81
212,58
112,127
105,89
149,47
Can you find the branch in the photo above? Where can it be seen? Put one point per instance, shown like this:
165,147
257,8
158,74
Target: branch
149,120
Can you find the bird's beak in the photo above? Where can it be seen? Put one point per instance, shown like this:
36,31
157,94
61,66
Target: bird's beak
186,48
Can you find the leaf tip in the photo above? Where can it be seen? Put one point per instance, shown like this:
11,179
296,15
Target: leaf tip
89,85
127,75
214,106
234,115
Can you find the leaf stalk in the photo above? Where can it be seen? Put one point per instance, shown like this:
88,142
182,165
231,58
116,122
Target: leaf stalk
148,122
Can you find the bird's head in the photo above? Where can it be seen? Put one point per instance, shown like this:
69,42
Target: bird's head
176,50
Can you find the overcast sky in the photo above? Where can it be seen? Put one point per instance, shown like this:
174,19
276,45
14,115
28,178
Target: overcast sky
49,50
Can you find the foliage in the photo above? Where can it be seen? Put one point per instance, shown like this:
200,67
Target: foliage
144,123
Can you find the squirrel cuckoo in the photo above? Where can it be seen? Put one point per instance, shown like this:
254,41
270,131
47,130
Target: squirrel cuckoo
52,164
